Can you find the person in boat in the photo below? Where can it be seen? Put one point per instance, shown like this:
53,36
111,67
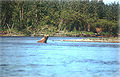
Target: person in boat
43,40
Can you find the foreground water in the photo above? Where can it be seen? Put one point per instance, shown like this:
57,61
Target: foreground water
24,57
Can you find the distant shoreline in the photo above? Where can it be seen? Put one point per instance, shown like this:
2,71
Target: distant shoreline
59,35
106,40
90,39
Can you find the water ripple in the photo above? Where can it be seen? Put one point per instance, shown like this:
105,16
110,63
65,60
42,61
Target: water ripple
99,62
4,64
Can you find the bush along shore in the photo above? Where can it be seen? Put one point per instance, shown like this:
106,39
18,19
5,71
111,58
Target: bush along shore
58,33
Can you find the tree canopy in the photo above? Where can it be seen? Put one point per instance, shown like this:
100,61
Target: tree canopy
30,17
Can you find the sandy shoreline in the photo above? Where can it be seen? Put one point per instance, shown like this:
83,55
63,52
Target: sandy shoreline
95,40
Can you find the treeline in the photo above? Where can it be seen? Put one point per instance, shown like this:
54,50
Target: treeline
36,17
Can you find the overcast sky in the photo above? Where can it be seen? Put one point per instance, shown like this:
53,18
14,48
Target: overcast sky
110,1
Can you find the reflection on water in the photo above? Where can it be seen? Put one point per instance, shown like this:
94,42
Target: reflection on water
24,57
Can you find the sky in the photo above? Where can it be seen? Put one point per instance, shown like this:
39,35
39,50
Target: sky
110,1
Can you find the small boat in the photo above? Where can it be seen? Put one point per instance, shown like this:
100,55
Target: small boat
43,40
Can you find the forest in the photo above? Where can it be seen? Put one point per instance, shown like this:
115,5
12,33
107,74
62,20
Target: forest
59,18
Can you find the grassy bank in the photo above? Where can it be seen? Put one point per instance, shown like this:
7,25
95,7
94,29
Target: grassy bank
56,33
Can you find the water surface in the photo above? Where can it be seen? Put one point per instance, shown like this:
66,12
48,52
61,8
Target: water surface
24,57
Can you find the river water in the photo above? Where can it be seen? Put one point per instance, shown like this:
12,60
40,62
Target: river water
24,57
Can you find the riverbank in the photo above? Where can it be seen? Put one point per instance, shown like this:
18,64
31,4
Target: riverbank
92,36
106,40
57,34
85,39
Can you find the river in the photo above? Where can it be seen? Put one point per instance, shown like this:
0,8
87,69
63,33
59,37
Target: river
24,57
